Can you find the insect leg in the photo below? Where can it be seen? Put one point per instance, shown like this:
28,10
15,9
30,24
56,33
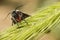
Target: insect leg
15,22
12,21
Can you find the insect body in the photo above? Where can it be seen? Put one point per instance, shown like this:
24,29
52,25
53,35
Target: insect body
17,16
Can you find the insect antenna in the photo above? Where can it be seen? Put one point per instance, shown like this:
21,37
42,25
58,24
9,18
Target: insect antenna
6,16
18,7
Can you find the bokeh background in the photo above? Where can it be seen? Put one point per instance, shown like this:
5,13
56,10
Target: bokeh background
28,7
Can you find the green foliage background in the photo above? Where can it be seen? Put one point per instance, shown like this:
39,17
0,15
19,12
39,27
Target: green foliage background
38,24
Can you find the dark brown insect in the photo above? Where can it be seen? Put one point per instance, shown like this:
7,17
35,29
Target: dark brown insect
18,16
